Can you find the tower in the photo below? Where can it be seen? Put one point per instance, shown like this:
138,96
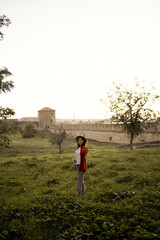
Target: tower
46,117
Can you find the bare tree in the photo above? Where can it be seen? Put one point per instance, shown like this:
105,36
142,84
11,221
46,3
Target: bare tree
58,138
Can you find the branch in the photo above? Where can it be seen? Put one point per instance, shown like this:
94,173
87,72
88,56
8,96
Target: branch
4,21
6,112
7,85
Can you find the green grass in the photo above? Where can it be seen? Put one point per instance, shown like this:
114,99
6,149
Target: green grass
38,192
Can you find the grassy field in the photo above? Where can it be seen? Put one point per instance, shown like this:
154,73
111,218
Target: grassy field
38,198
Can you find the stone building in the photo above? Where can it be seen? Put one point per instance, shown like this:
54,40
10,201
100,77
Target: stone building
46,118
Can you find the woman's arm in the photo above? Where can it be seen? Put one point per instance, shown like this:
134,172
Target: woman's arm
84,150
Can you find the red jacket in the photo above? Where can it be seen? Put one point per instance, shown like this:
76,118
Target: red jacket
83,154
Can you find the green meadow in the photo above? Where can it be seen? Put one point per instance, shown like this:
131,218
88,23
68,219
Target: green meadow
38,196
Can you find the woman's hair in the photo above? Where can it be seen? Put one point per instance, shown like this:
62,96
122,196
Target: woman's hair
82,144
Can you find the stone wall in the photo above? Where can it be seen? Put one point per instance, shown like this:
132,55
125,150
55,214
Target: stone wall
105,132
22,124
99,132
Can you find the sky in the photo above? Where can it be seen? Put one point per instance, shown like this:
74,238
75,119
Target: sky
64,54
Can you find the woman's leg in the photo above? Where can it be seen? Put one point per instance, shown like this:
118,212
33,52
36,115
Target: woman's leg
83,186
80,183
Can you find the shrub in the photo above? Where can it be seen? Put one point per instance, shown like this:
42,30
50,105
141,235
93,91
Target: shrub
29,131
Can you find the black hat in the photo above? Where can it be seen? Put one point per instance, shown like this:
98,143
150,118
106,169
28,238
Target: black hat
84,139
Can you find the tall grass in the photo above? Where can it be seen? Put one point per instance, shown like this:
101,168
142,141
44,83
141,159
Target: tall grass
38,198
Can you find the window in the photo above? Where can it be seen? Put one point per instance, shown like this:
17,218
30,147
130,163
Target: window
110,139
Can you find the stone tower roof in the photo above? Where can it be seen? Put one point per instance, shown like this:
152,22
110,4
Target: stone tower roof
46,109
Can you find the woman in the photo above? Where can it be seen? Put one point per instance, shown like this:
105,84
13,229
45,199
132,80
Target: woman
80,162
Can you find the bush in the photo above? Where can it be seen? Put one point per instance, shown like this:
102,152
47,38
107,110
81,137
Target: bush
29,131
43,133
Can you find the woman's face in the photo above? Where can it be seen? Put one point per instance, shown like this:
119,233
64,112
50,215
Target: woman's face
80,141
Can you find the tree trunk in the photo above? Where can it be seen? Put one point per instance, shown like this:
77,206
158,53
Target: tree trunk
131,142
60,149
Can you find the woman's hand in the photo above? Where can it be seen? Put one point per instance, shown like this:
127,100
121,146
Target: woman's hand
74,160
86,144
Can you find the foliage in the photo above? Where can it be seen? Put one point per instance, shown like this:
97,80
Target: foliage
4,21
131,108
6,128
43,133
6,112
29,131
5,86
38,194
58,138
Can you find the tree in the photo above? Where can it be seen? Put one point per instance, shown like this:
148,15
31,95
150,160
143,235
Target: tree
131,108
5,86
29,131
7,128
4,21
58,138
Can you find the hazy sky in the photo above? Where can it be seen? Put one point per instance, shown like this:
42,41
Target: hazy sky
63,54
